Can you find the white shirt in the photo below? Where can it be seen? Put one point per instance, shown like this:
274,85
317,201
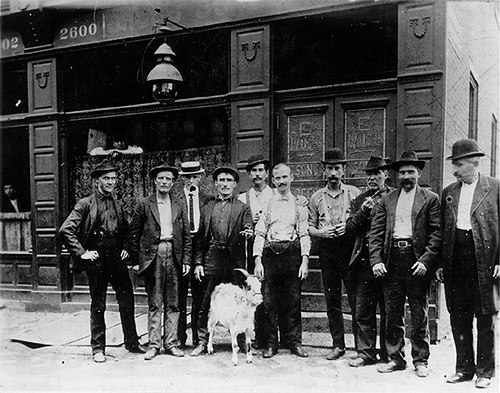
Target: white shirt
165,210
465,204
258,200
402,225
196,207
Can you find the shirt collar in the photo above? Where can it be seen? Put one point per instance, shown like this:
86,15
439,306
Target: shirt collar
103,196
285,197
228,199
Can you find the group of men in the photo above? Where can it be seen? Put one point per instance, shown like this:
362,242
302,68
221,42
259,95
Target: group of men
385,244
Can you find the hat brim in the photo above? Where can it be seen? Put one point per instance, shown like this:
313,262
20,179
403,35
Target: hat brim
218,171
98,172
419,164
377,168
153,172
181,173
466,155
250,166
334,162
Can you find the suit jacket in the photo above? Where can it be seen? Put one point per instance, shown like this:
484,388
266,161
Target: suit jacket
485,219
76,229
426,228
240,218
8,207
145,232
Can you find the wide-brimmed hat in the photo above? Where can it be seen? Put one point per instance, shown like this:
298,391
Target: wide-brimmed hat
162,166
334,156
102,168
409,157
376,163
465,148
191,168
226,169
255,160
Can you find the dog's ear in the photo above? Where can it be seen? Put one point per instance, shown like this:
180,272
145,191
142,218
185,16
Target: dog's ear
240,277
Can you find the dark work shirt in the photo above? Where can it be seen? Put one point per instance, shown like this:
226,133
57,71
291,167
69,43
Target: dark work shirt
107,219
219,222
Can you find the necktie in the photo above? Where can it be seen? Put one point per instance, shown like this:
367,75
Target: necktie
191,213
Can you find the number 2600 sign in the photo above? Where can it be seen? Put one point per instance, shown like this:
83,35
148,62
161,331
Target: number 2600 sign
78,31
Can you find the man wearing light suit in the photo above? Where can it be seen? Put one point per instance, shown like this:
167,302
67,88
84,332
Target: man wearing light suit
470,262
161,243
404,244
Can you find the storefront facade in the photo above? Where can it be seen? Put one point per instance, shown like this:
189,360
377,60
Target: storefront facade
286,80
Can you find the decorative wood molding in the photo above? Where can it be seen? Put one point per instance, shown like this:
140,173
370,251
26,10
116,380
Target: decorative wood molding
414,24
417,77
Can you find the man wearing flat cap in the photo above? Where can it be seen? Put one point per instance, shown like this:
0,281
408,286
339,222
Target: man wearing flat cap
405,240
225,223
367,288
161,244
191,172
329,208
95,234
469,265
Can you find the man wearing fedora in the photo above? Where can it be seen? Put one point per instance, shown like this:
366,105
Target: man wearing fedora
405,240
367,288
161,244
469,265
328,211
225,223
95,234
195,199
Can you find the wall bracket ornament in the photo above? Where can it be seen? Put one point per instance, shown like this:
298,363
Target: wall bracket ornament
42,84
255,46
414,23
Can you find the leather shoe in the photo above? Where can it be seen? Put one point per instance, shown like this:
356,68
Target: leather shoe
269,352
422,370
99,357
137,349
335,354
482,383
199,350
151,353
390,367
299,351
175,351
360,362
459,377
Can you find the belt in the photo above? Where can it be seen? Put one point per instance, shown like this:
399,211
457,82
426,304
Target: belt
100,234
401,243
168,239
217,243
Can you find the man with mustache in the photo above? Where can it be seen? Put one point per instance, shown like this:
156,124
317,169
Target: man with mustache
367,288
225,224
470,265
405,240
329,208
281,251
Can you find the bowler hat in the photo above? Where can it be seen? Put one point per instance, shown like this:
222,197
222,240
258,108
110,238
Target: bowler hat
226,169
191,168
465,148
255,160
102,168
376,163
162,166
409,157
334,156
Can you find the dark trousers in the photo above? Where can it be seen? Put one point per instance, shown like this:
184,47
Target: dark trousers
398,285
333,258
109,268
465,305
162,286
282,296
197,292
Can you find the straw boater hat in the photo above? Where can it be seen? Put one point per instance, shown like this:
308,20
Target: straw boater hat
102,168
465,148
334,156
376,163
409,157
191,168
162,166
226,169
255,160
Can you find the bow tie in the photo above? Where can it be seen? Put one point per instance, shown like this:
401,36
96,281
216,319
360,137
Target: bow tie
283,198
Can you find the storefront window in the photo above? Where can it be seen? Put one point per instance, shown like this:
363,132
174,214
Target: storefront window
13,91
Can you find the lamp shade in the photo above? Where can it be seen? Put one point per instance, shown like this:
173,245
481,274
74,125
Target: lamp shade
164,76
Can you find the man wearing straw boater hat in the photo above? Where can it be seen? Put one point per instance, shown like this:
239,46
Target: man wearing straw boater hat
405,240
195,199
161,244
367,288
95,234
469,265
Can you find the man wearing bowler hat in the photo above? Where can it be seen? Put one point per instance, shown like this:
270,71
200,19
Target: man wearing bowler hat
469,265
405,240
191,172
161,244
329,208
225,223
95,234
367,288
